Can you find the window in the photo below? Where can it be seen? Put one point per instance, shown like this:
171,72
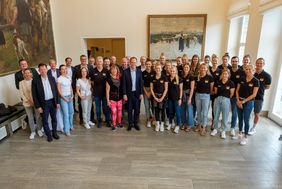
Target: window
237,36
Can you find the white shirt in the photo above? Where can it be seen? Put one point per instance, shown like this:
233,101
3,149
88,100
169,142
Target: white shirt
65,82
133,79
84,87
69,71
54,74
47,88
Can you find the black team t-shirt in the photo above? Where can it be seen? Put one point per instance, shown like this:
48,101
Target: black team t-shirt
147,77
224,89
215,74
236,76
264,79
247,88
99,79
203,84
174,89
159,84
187,82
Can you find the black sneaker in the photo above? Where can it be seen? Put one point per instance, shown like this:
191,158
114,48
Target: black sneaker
108,124
99,125
114,128
120,126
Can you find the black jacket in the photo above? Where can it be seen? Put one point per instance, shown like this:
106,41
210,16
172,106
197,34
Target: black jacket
19,76
38,91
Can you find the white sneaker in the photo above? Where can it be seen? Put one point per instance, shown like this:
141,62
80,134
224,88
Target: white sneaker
244,141
232,132
24,124
252,131
214,132
157,128
167,122
40,134
223,135
162,127
176,130
32,135
148,124
168,127
86,126
90,123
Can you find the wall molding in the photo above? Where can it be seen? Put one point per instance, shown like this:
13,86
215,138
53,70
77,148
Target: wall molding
238,13
267,6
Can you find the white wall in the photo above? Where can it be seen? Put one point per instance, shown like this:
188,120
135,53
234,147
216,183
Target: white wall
74,20
270,48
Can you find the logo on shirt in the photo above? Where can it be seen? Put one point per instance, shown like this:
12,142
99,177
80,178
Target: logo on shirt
251,85
261,79
161,81
187,80
217,74
104,74
227,87
206,81
237,76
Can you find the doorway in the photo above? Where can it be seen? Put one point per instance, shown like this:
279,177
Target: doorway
106,47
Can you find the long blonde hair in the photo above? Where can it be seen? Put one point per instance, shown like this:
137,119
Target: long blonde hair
176,74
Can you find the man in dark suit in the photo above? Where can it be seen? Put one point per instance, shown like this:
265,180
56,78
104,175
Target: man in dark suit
53,71
133,92
45,97
83,63
23,64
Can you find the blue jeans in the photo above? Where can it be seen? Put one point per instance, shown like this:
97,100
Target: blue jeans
244,116
106,109
67,109
174,108
234,112
221,105
187,115
202,103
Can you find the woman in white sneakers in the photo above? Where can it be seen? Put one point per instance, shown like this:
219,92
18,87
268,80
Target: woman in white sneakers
159,87
224,90
175,87
245,94
66,99
83,90
26,96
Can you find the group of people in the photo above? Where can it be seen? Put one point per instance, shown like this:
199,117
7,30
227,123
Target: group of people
176,95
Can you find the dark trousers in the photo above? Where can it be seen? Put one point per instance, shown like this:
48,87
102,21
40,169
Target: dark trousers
106,110
49,109
133,108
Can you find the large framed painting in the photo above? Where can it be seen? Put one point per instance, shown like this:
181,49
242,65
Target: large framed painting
175,35
25,33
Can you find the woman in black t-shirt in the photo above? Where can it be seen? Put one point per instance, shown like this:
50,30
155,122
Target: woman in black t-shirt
114,96
224,90
159,87
187,117
245,93
215,72
175,86
147,76
204,87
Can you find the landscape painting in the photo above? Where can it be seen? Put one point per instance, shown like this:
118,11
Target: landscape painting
25,33
175,35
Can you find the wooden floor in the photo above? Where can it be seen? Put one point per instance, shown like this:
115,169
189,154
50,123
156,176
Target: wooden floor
100,158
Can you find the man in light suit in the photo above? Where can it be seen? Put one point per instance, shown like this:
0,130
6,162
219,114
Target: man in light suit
45,97
133,92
